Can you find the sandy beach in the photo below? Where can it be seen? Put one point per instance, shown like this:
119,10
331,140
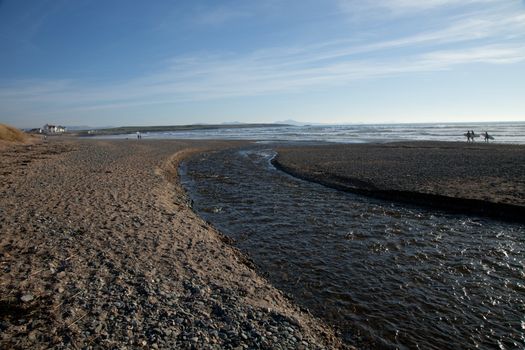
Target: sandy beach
100,249
480,178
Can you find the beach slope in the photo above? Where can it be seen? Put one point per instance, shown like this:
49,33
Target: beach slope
100,248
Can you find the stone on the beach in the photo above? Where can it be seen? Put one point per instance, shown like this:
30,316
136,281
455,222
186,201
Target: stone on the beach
27,297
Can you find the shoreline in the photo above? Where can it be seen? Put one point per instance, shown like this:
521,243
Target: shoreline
100,248
430,174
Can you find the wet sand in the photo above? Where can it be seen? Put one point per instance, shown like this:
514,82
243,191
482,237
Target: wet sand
100,249
479,178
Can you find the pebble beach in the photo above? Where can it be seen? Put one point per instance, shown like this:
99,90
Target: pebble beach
100,249
479,178
100,246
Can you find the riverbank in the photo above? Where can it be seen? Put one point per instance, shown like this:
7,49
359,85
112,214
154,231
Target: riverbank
476,178
100,248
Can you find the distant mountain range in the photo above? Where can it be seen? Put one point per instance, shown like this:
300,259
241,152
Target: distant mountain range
296,123
198,125
284,122
292,122
166,128
87,127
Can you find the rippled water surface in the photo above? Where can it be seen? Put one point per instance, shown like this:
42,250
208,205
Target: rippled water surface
503,132
386,274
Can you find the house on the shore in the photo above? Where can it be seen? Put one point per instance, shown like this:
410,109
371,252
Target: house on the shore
54,129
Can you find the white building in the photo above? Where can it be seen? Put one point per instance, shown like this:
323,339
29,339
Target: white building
53,129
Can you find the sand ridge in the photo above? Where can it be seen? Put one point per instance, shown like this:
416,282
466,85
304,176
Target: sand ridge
100,249
474,177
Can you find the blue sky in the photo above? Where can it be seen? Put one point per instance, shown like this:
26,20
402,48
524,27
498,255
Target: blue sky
98,63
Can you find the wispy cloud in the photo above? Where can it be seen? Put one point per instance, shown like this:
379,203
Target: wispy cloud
493,54
405,6
485,39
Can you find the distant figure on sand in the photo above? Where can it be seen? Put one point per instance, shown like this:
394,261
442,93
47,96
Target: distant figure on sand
139,136
468,135
472,135
487,137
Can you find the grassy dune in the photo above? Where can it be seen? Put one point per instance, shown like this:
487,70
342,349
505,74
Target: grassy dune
11,134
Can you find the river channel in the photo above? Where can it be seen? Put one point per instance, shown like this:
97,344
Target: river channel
387,275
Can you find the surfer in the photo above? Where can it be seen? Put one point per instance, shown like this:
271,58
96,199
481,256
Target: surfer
468,135
472,135
487,136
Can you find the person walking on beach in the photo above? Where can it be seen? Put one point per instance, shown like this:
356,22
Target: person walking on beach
468,135
139,136
487,137
472,135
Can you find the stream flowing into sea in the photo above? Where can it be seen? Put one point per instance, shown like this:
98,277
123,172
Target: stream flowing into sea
387,275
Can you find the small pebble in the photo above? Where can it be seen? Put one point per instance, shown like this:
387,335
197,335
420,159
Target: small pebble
27,297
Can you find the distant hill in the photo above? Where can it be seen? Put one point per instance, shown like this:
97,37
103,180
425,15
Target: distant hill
165,128
86,127
232,123
291,122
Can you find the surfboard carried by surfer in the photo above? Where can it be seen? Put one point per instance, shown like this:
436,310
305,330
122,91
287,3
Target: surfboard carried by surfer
487,137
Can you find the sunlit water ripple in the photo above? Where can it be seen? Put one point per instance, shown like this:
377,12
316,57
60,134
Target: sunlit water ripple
510,133
387,275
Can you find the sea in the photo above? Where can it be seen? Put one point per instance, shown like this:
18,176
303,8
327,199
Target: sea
502,132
